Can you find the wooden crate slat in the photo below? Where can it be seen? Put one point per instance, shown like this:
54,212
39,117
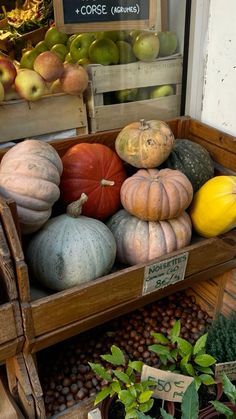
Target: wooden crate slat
11,348
6,267
7,322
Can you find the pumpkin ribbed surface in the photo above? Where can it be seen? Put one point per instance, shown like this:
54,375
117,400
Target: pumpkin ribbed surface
96,170
145,144
154,195
193,160
140,241
30,174
70,251
213,210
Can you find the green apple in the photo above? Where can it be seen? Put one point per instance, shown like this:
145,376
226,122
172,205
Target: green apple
56,87
29,84
168,43
143,93
61,50
2,92
41,47
104,51
126,54
126,95
28,59
53,36
113,35
68,58
146,46
160,91
132,35
80,45
70,39
84,61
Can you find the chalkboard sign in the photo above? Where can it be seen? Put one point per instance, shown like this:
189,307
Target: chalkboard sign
72,16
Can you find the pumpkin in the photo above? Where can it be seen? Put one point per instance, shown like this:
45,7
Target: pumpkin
145,144
213,209
97,171
153,195
30,174
193,160
140,241
71,249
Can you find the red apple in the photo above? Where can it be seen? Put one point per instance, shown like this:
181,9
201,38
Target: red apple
29,84
7,72
74,79
49,66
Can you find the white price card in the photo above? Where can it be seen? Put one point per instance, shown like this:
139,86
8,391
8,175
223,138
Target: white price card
169,386
228,367
161,274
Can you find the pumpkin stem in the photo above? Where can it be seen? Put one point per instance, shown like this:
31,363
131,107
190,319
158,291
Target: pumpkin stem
105,182
143,124
74,209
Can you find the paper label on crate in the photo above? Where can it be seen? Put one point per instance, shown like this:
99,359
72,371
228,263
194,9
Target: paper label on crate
169,386
161,274
228,367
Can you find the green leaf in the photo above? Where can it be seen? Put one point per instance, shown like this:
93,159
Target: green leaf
136,365
159,349
126,397
165,415
145,396
116,358
204,360
189,370
145,407
228,388
160,338
115,386
198,382
122,376
174,354
184,346
100,371
105,392
190,404
132,414
222,408
141,415
175,331
204,370
184,362
207,379
200,344
133,391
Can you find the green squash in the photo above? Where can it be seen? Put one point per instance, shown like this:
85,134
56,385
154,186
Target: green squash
193,160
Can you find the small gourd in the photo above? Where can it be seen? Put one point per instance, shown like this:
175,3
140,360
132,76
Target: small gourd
141,241
154,195
145,144
71,249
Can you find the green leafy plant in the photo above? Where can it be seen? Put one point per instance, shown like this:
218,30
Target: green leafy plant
179,355
221,339
229,390
189,405
123,379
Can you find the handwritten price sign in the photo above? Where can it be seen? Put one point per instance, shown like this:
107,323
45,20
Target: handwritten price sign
160,275
228,367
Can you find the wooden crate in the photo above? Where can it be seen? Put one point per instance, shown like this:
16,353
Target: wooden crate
51,113
63,314
105,79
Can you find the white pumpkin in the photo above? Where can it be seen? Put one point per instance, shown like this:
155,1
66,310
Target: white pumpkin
71,249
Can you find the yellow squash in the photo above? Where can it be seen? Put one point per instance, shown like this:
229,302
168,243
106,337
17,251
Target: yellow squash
213,209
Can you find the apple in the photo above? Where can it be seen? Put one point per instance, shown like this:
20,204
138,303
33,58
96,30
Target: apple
2,92
53,36
168,43
113,35
84,61
126,95
146,46
68,58
56,87
41,46
60,50
29,84
160,91
70,39
28,58
143,93
74,79
132,35
104,51
7,72
126,54
49,66
79,47
11,94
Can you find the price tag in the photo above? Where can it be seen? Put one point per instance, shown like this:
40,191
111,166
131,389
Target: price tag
228,367
170,386
161,274
95,414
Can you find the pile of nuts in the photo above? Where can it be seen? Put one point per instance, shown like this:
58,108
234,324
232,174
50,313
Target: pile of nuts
65,375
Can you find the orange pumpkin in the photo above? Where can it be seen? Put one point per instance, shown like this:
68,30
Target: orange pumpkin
154,195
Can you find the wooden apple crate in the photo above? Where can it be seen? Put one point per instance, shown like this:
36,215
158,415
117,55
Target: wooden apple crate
11,330
105,79
51,113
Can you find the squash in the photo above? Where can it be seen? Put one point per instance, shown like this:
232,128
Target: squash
145,144
30,174
213,209
97,171
141,241
71,249
154,195
193,160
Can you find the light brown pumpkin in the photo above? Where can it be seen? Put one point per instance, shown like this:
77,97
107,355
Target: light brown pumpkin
140,241
145,144
154,195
